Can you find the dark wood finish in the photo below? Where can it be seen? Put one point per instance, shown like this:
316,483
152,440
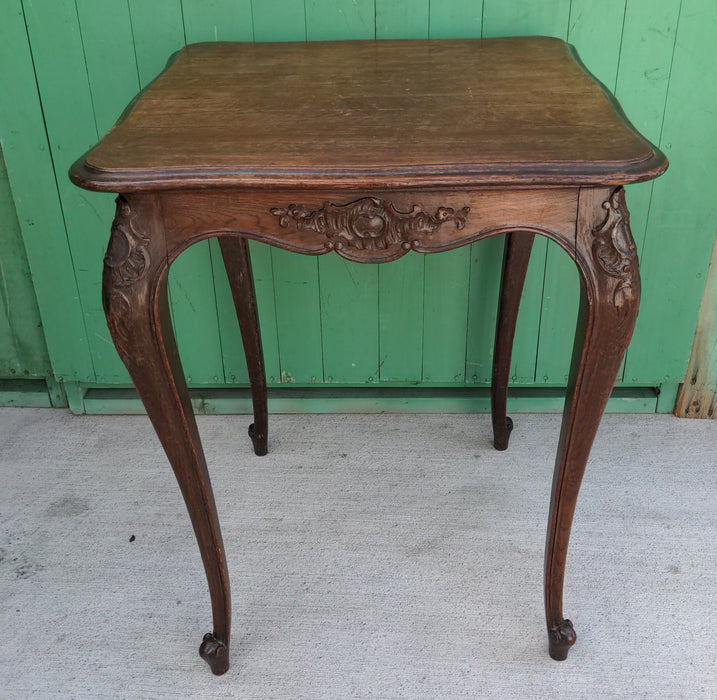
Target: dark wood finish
370,150
519,110
610,295
135,299
518,245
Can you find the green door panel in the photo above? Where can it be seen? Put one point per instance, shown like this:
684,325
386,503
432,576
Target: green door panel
419,321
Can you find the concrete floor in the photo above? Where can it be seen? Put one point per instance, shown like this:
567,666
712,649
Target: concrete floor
382,556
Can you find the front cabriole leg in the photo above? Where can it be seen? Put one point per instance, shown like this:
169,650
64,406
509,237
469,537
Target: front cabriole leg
135,302
610,293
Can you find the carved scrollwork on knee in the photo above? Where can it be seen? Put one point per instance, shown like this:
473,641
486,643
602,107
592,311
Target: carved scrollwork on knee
126,262
615,252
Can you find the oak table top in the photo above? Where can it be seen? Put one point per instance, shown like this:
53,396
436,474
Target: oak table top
409,112
371,150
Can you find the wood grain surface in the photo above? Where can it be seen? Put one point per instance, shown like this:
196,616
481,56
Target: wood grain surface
394,112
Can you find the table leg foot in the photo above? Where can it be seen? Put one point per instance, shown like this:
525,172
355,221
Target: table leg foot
560,638
215,653
258,440
502,436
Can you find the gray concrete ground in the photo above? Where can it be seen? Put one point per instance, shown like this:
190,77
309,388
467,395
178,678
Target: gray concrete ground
383,556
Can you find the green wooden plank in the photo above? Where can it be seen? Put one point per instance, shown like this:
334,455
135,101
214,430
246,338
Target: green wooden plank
22,343
645,60
561,299
282,20
340,19
235,369
158,32
112,74
641,85
218,20
400,285
600,51
527,329
109,58
298,317
58,56
9,356
349,320
524,17
263,272
455,19
486,266
28,393
402,19
683,210
30,169
445,315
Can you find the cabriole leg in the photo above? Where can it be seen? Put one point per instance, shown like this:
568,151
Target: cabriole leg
610,282
135,301
518,245
235,252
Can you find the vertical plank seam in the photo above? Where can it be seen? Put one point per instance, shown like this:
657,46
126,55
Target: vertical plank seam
276,315
87,72
213,244
134,43
664,112
321,320
251,18
619,52
540,315
57,183
184,27
468,310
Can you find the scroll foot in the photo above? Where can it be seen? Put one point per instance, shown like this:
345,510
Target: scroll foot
500,439
560,639
215,653
259,441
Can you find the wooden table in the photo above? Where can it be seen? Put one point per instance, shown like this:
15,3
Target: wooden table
370,150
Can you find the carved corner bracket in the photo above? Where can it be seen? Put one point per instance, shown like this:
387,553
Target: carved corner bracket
369,223
126,262
614,249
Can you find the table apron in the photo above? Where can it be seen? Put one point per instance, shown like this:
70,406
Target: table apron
372,226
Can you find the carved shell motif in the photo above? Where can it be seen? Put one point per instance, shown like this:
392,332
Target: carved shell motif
368,223
614,248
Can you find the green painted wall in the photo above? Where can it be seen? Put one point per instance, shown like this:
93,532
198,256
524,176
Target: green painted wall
22,344
70,66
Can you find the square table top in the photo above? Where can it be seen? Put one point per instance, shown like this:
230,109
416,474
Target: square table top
467,112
